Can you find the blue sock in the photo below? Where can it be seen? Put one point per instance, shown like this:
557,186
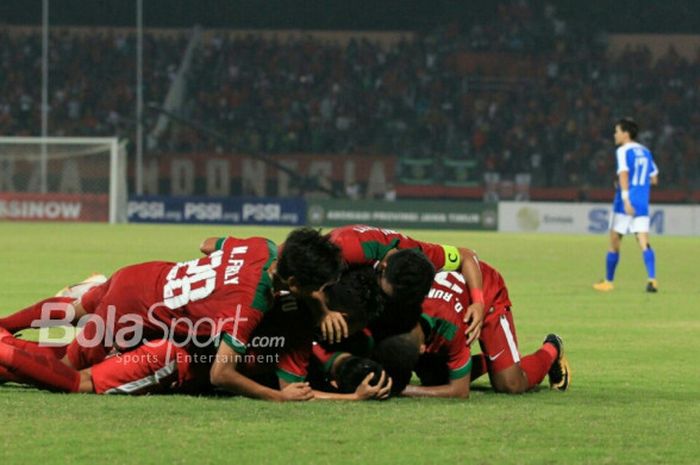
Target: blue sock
610,264
650,262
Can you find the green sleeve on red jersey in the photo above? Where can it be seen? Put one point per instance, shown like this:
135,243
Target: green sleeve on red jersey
219,243
448,335
293,364
374,250
236,331
328,365
234,343
441,327
462,371
289,377
262,292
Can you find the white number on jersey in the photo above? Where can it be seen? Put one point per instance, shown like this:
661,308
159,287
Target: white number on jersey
181,291
641,170
456,285
453,284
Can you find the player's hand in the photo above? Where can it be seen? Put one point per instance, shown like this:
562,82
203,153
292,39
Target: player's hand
629,209
474,317
334,327
297,392
380,391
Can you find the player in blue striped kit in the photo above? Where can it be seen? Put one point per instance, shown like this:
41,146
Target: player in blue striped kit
636,173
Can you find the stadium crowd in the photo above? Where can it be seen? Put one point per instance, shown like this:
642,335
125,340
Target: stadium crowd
92,80
308,95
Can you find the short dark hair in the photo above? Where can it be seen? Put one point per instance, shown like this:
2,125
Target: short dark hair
399,356
410,274
310,257
432,369
396,318
357,295
629,126
353,370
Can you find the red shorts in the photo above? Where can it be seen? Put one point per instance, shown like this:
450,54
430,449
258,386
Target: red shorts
129,292
498,340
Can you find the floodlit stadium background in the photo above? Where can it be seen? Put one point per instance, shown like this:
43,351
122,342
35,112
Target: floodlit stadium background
451,120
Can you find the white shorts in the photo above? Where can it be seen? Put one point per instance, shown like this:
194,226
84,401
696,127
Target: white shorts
624,224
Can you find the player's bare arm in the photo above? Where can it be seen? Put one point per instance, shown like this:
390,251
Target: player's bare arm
624,178
474,315
223,374
365,391
209,245
457,388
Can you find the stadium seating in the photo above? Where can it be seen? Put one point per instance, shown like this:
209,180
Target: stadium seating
461,99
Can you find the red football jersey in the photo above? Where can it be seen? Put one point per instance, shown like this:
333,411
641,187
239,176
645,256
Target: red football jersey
225,293
367,245
442,312
494,288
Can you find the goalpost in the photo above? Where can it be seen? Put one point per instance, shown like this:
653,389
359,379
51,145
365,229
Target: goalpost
63,179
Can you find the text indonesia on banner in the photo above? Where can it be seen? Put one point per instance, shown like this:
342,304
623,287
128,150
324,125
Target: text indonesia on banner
226,175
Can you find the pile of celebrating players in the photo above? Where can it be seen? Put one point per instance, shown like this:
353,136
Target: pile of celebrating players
357,314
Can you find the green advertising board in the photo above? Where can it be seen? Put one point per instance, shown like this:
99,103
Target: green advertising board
404,214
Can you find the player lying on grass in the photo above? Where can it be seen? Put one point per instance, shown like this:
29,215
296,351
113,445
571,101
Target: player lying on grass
445,366
347,374
219,297
277,357
405,278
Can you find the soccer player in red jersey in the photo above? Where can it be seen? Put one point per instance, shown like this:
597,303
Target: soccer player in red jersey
445,367
222,296
277,355
405,279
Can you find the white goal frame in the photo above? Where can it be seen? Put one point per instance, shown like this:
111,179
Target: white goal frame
117,165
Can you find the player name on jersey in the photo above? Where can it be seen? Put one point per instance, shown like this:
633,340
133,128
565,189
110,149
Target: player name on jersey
234,265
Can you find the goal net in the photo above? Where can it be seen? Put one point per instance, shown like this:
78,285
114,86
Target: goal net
63,179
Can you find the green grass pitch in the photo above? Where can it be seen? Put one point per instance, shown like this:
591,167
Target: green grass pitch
635,396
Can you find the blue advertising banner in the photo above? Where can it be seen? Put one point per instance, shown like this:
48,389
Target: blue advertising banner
215,210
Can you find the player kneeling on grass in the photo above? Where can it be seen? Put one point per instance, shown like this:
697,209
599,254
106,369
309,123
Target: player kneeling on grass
222,296
445,367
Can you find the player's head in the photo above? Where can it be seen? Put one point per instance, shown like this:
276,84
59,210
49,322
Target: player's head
405,276
356,295
626,130
308,261
396,318
399,356
351,371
